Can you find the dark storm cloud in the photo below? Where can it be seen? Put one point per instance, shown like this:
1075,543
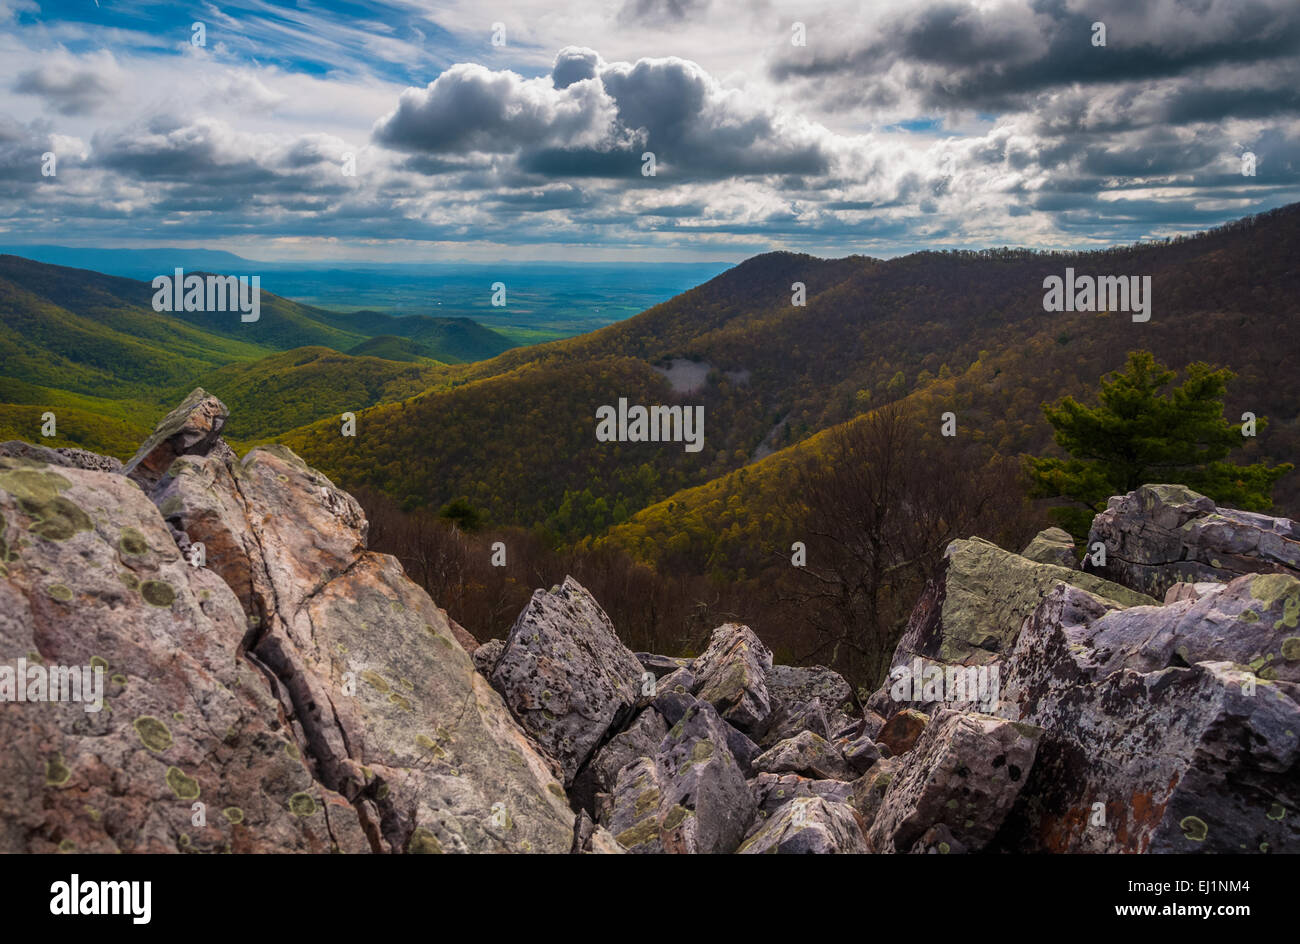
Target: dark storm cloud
596,119
952,55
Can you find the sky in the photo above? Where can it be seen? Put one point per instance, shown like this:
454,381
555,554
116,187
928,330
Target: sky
482,130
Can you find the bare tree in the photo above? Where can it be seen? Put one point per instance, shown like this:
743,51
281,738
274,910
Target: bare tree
875,513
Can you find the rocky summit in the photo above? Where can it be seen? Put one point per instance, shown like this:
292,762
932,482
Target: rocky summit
198,653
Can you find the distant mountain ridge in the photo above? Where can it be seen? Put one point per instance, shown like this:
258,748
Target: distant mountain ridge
959,331
86,345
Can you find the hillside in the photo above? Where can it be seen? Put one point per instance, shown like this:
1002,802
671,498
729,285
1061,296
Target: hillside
964,331
90,348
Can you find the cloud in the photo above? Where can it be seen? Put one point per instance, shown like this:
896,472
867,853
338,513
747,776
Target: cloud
72,86
596,119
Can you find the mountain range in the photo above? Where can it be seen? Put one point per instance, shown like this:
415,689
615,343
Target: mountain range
449,409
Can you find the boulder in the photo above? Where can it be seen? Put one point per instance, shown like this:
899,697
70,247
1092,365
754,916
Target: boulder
193,428
68,456
731,675
1053,546
971,614
1167,729
691,797
772,791
487,655
861,753
301,686
793,686
806,754
1160,535
565,675
706,805
661,665
90,579
869,789
902,731
965,772
640,739
808,825
788,721
631,810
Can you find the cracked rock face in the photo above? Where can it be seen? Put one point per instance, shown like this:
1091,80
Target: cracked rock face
732,676
810,824
1161,535
300,685
566,675
965,773
1152,741
93,578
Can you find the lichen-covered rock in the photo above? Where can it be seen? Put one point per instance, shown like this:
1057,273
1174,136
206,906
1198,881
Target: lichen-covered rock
772,791
631,810
565,674
965,772
793,686
861,753
193,428
487,655
808,825
661,665
1053,546
901,732
641,738
972,613
91,578
731,675
788,720
869,789
691,797
300,685
1153,741
68,456
807,754
1160,535
706,806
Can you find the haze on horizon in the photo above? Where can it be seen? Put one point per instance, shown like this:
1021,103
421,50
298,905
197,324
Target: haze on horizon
905,126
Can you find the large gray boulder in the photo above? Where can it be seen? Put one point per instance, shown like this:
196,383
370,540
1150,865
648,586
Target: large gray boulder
1167,729
965,772
807,754
565,674
971,614
1160,535
731,675
773,791
1052,546
690,797
806,825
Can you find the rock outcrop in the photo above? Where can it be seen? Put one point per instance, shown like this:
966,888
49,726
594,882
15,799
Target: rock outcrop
300,687
565,674
271,685
1162,535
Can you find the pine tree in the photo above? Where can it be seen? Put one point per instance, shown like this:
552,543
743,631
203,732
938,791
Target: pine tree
1137,435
